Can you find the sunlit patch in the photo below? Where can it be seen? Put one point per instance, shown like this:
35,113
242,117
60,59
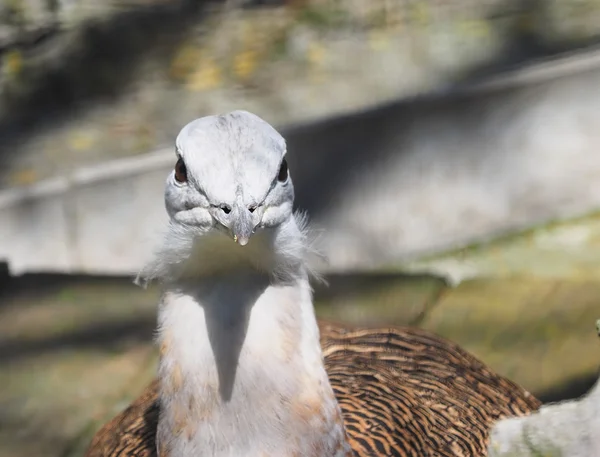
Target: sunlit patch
245,63
12,63
184,61
316,54
81,141
208,75
379,41
474,29
24,177
420,14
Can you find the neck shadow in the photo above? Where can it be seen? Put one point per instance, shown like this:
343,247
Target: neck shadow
227,305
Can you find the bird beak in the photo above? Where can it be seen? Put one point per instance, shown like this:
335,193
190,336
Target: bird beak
242,226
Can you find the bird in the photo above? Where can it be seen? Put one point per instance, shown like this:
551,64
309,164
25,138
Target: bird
245,368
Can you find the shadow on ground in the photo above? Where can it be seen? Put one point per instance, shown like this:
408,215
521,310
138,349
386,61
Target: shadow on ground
570,389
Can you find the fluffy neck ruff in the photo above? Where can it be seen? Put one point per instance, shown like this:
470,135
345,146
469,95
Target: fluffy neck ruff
241,369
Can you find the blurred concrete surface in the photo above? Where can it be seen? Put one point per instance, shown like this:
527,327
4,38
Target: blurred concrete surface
385,185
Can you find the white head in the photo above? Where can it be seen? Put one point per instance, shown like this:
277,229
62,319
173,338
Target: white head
231,175
230,184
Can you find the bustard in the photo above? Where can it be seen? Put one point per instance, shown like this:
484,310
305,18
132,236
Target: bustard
245,369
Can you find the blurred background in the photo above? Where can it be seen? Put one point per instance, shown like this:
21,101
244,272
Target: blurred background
447,150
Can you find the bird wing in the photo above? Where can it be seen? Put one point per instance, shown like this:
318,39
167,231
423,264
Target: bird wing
408,392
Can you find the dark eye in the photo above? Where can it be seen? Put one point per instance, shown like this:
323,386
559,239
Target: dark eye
283,171
180,171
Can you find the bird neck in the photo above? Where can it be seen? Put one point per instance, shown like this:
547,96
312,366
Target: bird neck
241,369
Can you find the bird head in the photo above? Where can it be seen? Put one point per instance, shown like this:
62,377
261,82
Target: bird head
230,187
231,177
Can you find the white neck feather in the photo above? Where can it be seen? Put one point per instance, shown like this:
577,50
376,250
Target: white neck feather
241,368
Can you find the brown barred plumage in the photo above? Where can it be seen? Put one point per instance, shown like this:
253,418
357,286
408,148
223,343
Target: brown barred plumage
403,392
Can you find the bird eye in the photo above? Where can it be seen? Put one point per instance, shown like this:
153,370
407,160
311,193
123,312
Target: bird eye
180,171
225,208
283,171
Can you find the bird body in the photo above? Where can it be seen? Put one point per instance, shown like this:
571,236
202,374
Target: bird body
245,369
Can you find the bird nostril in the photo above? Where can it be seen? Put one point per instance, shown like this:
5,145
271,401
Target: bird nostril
252,208
226,209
